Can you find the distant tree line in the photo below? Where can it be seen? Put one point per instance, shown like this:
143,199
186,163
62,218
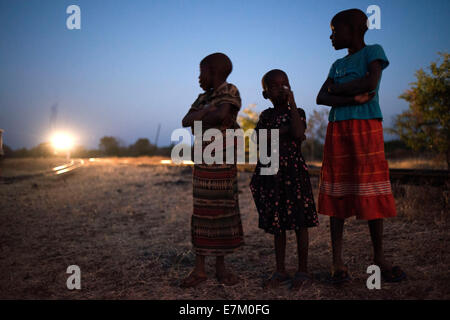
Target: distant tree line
425,125
424,128
108,147
317,121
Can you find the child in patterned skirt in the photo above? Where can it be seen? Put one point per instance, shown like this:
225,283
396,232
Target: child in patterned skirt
216,226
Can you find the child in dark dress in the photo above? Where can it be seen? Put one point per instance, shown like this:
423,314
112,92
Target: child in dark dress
285,200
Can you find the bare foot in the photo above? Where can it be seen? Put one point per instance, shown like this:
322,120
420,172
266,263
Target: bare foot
339,274
390,273
193,279
383,264
340,267
300,279
227,277
277,279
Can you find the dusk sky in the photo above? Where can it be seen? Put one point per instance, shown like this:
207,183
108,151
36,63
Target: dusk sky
134,64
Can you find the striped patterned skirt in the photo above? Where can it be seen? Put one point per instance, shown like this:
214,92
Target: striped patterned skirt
355,174
216,221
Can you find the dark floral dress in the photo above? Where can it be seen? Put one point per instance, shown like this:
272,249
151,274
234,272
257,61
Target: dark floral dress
285,200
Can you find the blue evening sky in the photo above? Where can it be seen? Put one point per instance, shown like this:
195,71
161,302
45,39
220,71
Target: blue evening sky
134,64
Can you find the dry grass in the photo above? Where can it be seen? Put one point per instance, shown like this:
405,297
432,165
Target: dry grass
417,163
127,227
410,163
24,166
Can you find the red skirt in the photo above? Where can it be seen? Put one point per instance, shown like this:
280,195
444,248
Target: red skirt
354,178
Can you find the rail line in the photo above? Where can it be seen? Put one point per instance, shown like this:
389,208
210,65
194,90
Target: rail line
403,176
62,170
409,176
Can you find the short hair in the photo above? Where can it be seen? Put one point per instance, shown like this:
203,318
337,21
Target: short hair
354,18
219,62
269,75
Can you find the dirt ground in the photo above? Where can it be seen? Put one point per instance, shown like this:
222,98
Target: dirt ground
127,226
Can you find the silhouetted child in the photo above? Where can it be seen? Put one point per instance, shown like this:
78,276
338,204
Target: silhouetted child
355,174
285,200
216,226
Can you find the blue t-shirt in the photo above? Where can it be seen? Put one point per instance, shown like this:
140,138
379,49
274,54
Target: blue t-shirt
353,67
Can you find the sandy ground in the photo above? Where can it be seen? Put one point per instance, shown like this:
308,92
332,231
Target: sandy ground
127,226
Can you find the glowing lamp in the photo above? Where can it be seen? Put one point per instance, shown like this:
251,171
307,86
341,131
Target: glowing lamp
62,141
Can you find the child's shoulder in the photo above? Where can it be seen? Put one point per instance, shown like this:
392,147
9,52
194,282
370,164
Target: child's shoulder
267,112
368,51
373,49
301,112
265,115
270,112
229,88
376,52
374,46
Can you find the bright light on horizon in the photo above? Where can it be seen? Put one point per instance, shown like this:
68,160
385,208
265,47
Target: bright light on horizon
62,141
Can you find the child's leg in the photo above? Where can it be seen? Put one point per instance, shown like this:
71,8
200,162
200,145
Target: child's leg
280,251
200,265
224,275
198,275
302,248
376,234
337,230
388,272
280,276
301,276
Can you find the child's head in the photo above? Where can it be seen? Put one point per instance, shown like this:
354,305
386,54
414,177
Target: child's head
214,68
348,26
276,86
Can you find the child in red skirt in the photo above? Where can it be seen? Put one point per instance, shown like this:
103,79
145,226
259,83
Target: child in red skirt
355,175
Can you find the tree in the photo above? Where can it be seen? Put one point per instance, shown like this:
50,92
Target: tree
248,120
142,147
42,150
316,130
426,124
78,152
109,146
7,151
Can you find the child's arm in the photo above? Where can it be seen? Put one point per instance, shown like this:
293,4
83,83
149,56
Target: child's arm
217,114
365,84
328,99
287,130
193,115
284,130
297,125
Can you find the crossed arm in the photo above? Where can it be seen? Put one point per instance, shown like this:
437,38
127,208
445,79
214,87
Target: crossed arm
210,116
351,93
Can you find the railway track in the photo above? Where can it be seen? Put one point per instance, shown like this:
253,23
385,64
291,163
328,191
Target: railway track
68,167
403,176
59,171
409,176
